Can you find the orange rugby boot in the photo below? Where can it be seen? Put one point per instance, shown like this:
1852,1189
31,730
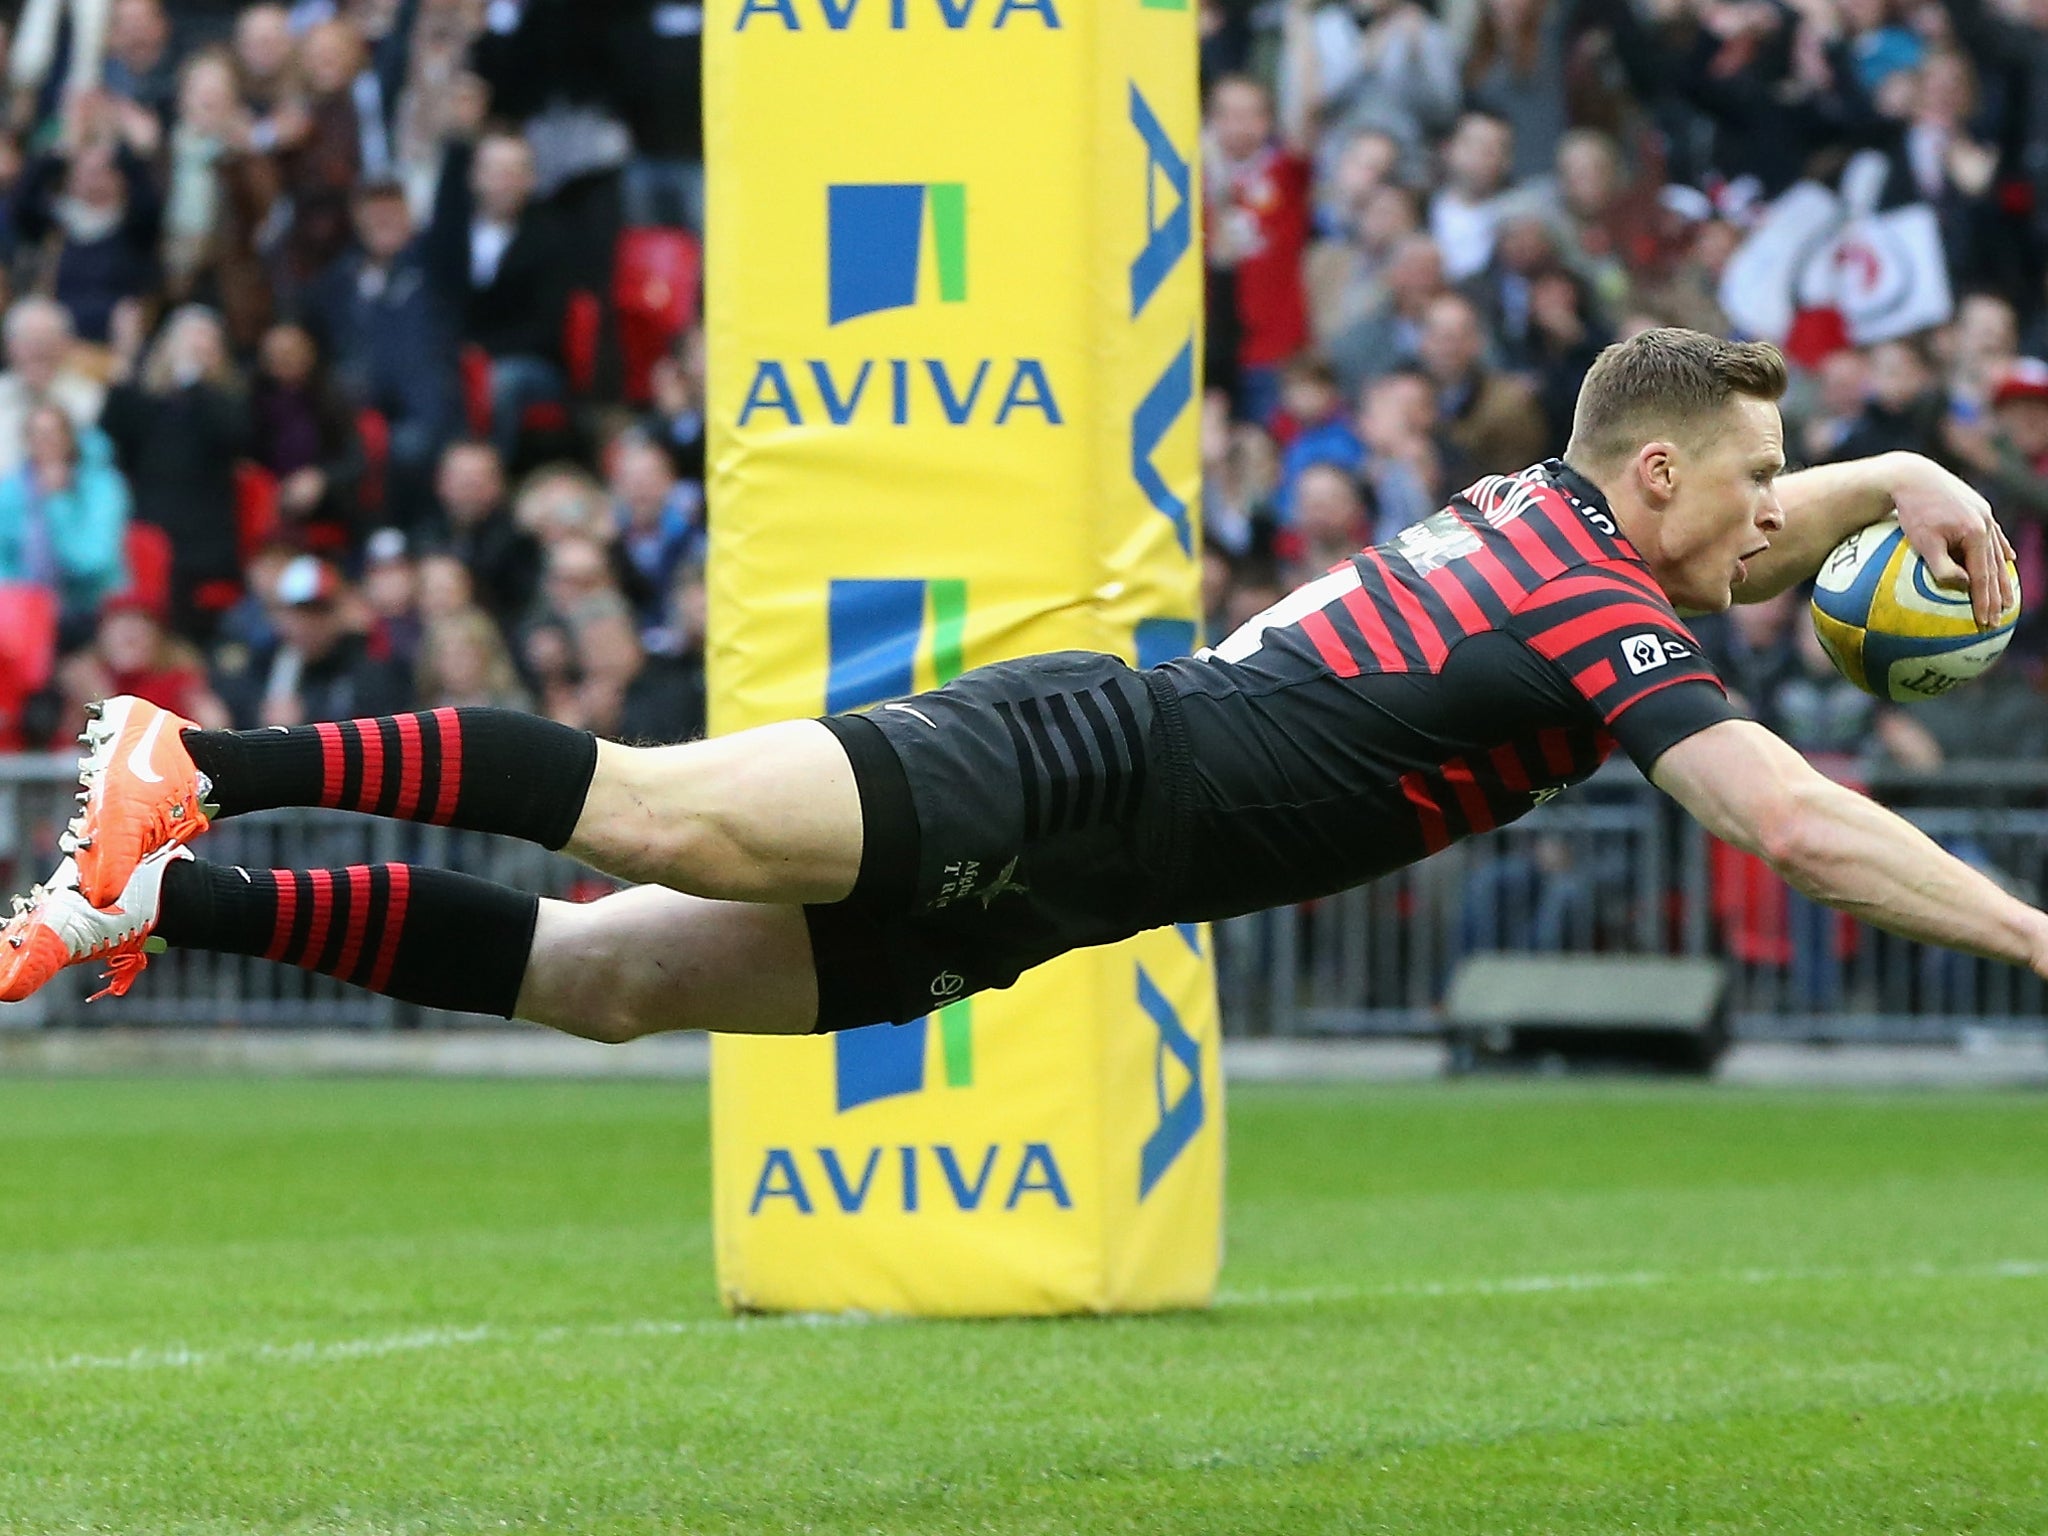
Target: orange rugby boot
54,926
141,793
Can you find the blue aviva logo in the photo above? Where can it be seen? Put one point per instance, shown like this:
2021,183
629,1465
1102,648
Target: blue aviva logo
875,240
899,246
886,638
880,636
885,1061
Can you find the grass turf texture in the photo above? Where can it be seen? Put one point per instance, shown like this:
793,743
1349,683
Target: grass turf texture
234,1306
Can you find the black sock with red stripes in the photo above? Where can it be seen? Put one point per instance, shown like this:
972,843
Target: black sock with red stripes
420,935
485,770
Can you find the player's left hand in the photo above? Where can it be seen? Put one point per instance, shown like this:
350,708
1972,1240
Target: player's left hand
1952,530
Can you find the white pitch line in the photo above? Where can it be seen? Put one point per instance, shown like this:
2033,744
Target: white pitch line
421,1340
1532,1285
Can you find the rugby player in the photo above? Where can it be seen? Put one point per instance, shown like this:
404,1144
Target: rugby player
824,874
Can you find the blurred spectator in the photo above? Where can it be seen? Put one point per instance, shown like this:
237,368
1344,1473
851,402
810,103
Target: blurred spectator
1365,164
87,214
39,346
1504,289
1903,409
463,662
665,701
1258,224
1564,337
1346,275
391,593
1331,519
63,516
1978,347
1515,70
1493,418
250,625
34,67
305,435
497,258
1409,467
322,668
1314,424
580,582
1219,575
657,49
477,528
1226,42
1389,337
445,586
329,145
1465,214
220,191
1387,66
2008,461
1938,160
1840,388
178,430
548,658
1240,475
676,417
141,66
1748,90
1607,229
266,67
391,340
131,652
660,522
559,501
628,694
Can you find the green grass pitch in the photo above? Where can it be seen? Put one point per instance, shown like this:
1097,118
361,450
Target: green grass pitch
398,1306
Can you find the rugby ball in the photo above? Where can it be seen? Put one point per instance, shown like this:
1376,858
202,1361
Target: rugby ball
1890,630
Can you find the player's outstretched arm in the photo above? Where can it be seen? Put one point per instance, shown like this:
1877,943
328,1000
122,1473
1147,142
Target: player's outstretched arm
1947,523
1749,788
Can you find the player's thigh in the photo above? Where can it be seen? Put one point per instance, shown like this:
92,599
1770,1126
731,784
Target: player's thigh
650,959
771,814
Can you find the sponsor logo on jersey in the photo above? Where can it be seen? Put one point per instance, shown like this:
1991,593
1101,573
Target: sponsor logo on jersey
1648,651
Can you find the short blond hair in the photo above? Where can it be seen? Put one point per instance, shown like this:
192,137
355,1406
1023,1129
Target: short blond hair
1667,382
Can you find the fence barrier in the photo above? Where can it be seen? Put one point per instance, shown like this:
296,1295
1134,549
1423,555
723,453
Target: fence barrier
1612,868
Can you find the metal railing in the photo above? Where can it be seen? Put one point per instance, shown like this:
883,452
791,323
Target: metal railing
1615,868
1612,868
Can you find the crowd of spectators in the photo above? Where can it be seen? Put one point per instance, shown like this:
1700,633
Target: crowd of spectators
1425,220
329,388
325,391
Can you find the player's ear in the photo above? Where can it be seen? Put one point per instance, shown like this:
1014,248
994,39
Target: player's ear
1656,471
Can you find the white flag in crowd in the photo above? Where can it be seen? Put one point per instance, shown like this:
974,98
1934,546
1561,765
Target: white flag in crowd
1884,273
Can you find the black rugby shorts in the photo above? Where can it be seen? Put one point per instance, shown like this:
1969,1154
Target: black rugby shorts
1023,810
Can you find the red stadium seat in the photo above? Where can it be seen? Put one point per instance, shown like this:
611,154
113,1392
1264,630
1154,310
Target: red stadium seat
657,279
582,334
582,330
256,514
475,364
28,653
28,635
148,550
375,433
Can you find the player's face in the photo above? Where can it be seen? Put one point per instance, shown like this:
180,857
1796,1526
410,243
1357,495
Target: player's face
1723,507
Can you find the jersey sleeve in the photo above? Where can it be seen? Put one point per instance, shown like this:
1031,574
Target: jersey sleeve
1617,641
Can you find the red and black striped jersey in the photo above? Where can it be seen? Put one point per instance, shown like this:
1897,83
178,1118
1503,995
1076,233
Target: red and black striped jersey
1437,685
